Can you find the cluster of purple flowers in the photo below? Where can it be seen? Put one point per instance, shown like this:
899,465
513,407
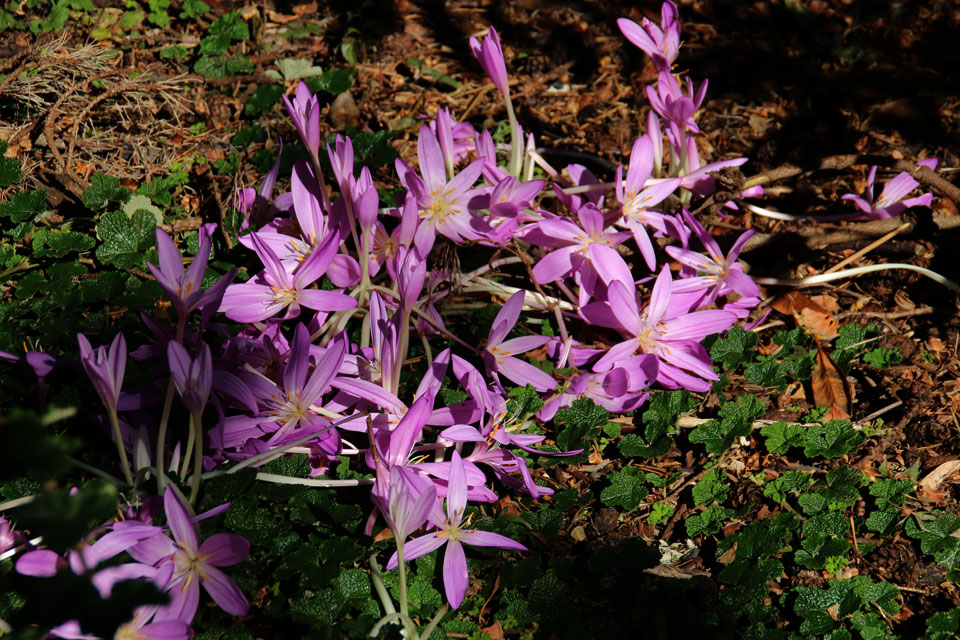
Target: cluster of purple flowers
171,557
292,381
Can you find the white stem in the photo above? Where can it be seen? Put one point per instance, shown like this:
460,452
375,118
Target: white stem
776,215
846,273
313,482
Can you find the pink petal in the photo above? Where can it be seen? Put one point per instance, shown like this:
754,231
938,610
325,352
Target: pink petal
184,531
226,594
455,576
224,549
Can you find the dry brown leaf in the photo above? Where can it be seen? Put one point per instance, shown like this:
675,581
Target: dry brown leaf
933,480
813,315
830,386
729,555
495,631
673,571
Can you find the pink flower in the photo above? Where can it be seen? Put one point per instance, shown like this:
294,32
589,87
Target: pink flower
194,564
661,43
490,56
274,289
455,574
890,203
499,354
443,205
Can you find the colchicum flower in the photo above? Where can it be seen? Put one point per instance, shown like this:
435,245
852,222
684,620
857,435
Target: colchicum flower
194,563
454,535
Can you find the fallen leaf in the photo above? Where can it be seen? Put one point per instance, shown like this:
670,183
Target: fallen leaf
578,533
729,555
933,480
674,571
834,612
830,387
813,315
495,631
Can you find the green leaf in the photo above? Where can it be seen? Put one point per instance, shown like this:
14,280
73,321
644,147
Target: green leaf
660,512
30,284
24,205
353,584
262,99
812,503
626,490
222,32
9,168
220,66
882,358
102,191
936,537
578,420
733,349
160,190
737,420
883,522
711,488
325,607
831,440
523,402
944,625
780,436
660,417
60,243
140,202
57,17
192,9
256,523
708,522
125,240
814,606
292,69
374,149
176,52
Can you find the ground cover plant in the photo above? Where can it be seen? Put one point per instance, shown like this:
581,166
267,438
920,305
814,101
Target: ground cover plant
274,370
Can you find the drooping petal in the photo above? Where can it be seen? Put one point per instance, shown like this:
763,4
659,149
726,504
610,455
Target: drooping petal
455,576
413,549
226,594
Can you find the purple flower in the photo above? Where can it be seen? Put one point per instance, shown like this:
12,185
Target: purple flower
661,43
490,56
588,245
890,203
288,408
410,499
719,275
454,535
183,286
665,328
636,198
193,377
305,113
274,289
443,205
9,537
498,355
194,564
669,101
105,368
